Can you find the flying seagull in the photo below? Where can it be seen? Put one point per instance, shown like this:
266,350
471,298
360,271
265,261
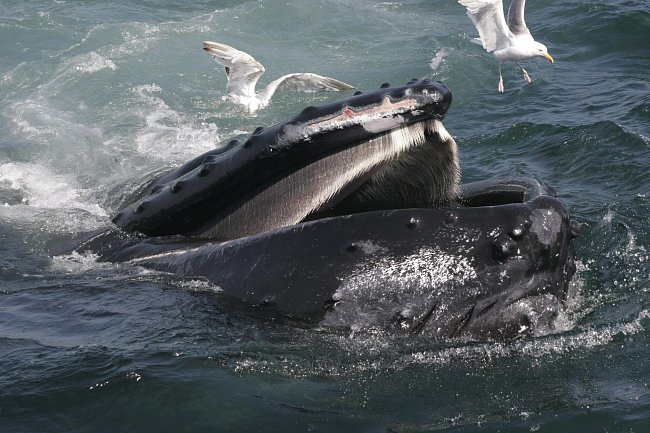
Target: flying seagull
509,40
243,72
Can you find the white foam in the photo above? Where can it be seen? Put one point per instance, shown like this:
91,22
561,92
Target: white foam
200,286
42,188
93,62
438,59
76,263
609,216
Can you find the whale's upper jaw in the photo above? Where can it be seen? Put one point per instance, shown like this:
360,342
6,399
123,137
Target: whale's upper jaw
361,117
228,193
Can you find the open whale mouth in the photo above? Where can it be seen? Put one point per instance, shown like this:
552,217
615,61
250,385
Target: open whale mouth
326,160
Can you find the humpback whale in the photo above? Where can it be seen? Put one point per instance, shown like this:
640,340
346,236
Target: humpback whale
243,73
351,215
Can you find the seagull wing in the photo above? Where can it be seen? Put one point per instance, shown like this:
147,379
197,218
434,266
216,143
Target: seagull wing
302,82
242,70
516,22
488,18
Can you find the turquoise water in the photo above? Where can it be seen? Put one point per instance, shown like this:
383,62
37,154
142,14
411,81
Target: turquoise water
96,96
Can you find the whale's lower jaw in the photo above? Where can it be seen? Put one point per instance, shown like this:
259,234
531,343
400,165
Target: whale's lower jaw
473,271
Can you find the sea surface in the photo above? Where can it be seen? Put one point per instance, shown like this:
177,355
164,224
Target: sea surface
97,96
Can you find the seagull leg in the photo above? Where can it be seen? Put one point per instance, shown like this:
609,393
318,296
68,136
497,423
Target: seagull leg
500,80
526,76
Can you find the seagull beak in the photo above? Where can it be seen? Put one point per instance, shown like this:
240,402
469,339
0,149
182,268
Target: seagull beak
548,57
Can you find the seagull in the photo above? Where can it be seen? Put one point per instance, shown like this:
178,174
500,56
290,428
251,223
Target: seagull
243,72
509,40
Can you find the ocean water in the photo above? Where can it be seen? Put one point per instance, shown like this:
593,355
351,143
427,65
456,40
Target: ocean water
97,96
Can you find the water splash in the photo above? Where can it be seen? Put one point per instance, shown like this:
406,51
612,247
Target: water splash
168,134
41,188
438,59
76,263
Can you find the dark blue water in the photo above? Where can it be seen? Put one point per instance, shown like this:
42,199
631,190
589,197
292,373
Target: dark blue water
96,96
